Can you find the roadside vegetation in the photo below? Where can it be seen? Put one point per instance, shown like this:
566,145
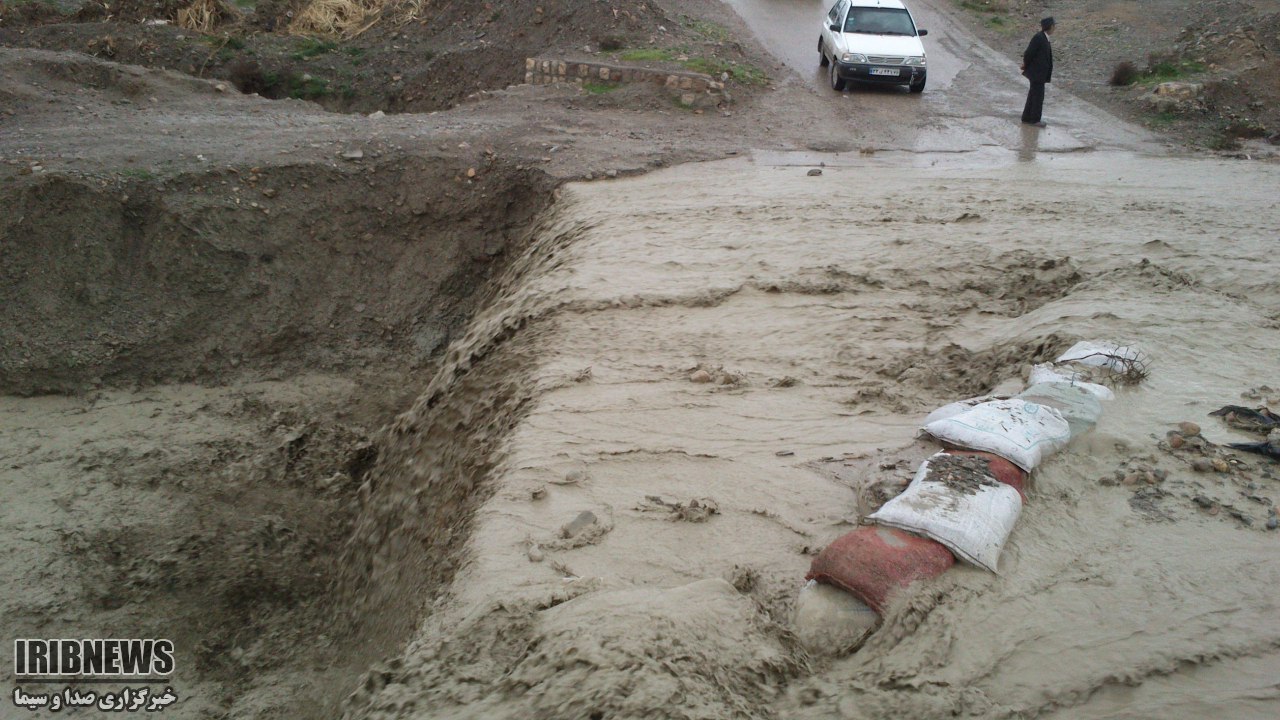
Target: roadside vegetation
738,72
995,14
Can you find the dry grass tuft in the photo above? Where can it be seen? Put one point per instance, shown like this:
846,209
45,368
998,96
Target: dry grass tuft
345,19
202,16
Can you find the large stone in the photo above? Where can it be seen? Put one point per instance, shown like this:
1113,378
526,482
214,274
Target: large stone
1180,90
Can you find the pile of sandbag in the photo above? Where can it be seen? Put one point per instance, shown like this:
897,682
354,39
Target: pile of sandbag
963,502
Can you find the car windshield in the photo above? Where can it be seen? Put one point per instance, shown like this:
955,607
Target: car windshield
879,21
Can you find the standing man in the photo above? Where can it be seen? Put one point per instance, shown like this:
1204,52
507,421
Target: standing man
1037,66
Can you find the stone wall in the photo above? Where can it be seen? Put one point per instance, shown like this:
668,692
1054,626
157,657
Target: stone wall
691,88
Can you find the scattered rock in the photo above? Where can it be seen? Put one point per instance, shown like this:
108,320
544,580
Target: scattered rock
1273,523
1220,465
1179,90
1189,428
585,519
815,172
352,155
743,579
701,376
377,115
535,554
538,493
697,510
1202,465
573,477
1175,439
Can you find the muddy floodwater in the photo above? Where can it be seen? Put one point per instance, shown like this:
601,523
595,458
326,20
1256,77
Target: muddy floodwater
825,316
398,426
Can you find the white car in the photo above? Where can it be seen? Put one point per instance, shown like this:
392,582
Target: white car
874,41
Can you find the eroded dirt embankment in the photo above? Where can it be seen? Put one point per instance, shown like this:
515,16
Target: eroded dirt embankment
321,266
242,516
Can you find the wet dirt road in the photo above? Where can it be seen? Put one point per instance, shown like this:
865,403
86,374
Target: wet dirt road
973,99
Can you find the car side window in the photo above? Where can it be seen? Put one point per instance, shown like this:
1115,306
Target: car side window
834,15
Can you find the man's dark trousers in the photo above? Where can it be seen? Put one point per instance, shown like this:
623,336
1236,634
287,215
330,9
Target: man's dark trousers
1035,103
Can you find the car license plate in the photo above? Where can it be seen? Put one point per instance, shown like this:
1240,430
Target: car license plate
885,71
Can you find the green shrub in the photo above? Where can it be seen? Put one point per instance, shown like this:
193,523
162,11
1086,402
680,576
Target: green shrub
311,47
647,55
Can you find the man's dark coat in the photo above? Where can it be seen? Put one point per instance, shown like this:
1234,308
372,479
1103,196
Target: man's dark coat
1038,58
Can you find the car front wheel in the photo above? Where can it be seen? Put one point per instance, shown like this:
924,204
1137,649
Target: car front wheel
822,55
837,82
917,87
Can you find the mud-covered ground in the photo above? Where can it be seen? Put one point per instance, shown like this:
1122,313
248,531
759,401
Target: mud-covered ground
1229,49
249,402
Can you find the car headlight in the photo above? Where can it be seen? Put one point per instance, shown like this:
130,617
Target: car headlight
853,58
917,60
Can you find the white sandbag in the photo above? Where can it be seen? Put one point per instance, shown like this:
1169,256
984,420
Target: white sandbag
1078,406
1048,373
1021,432
1114,357
829,620
955,408
969,512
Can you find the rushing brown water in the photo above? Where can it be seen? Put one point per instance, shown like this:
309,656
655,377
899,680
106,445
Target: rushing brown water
831,314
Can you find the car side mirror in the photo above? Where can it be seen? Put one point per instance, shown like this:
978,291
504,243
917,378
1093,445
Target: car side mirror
835,27
922,33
